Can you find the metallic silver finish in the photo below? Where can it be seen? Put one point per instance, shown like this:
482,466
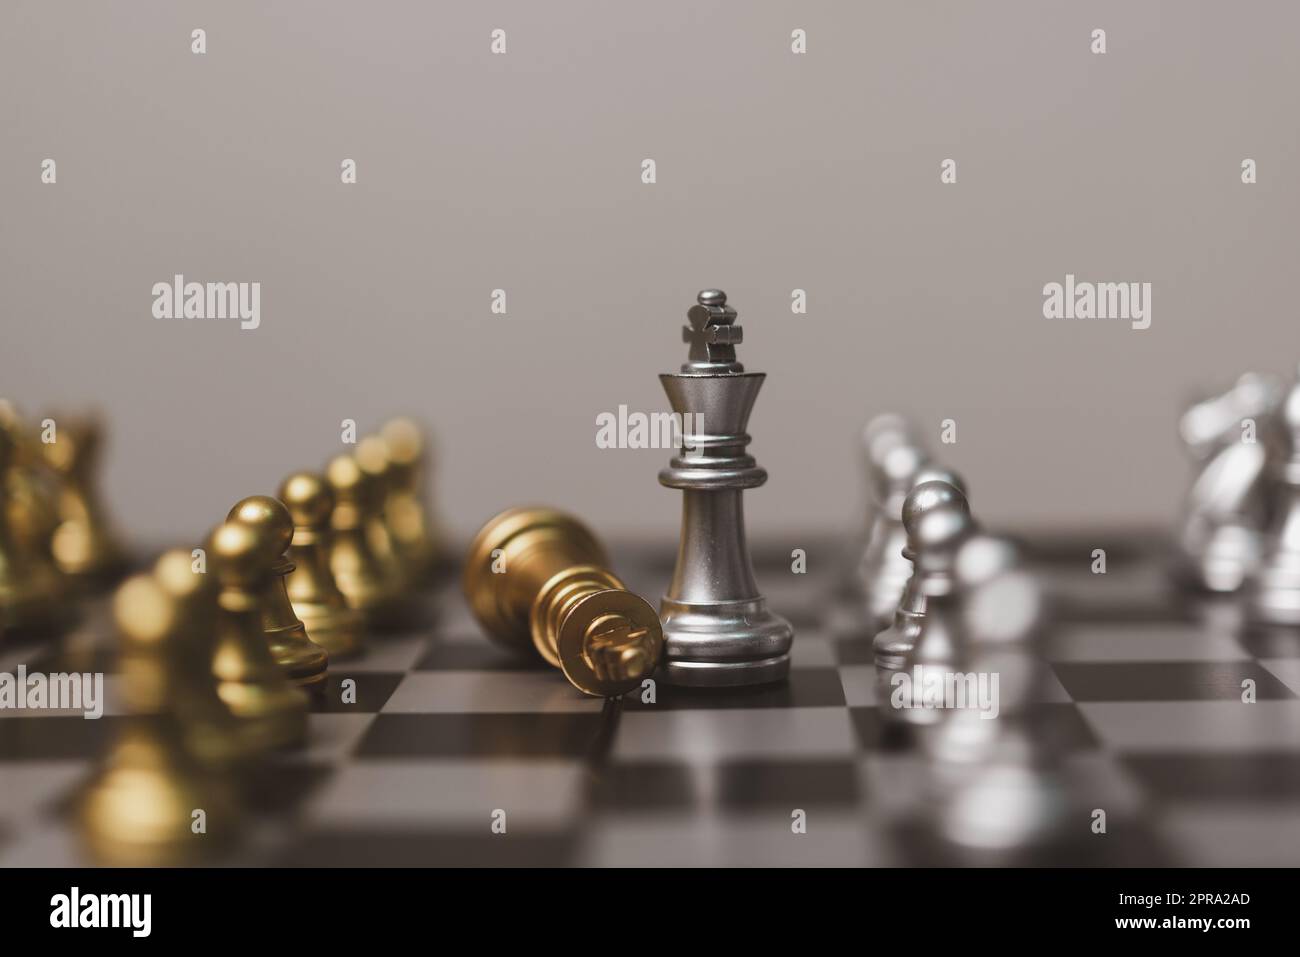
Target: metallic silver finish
1001,620
897,461
1012,802
892,645
716,625
938,521
1228,507
997,781
884,569
1274,597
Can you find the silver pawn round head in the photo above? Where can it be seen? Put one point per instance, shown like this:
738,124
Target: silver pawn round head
937,473
884,432
900,464
926,497
982,558
942,527
1006,610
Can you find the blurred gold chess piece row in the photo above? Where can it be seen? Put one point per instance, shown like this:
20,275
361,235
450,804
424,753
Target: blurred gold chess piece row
56,542
221,645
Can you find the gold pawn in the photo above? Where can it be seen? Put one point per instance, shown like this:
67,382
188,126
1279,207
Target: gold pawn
213,734
305,662
372,456
406,510
84,545
249,681
140,810
538,576
31,589
366,581
316,598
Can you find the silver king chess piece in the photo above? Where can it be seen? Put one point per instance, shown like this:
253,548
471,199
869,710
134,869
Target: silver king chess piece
717,628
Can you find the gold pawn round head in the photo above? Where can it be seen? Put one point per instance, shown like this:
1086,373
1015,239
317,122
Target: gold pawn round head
350,483
144,611
404,440
269,516
308,498
147,619
241,555
176,572
372,455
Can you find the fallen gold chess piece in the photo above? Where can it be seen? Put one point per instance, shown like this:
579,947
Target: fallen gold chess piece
536,576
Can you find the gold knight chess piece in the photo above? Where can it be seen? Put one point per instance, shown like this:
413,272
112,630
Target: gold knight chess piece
31,492
249,680
536,576
305,662
32,599
142,807
84,545
316,598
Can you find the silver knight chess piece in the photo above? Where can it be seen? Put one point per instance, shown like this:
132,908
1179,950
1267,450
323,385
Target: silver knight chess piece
1273,593
1227,508
717,628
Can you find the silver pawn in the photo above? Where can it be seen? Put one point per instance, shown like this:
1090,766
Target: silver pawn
883,570
937,532
880,436
1000,617
1000,786
882,432
892,645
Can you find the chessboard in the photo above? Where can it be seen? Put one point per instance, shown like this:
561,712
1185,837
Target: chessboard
455,752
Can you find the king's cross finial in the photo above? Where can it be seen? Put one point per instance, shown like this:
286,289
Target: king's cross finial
712,334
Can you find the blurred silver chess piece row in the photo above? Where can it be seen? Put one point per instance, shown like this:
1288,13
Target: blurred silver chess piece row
959,627
1240,529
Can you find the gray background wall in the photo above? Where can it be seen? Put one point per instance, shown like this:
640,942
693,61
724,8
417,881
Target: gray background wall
522,172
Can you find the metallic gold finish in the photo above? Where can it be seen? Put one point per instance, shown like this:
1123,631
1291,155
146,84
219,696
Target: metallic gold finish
406,511
316,598
250,682
84,545
212,732
139,810
31,488
536,576
31,589
368,578
303,661
372,456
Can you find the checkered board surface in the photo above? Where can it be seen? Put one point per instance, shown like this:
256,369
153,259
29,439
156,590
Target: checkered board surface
1146,690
